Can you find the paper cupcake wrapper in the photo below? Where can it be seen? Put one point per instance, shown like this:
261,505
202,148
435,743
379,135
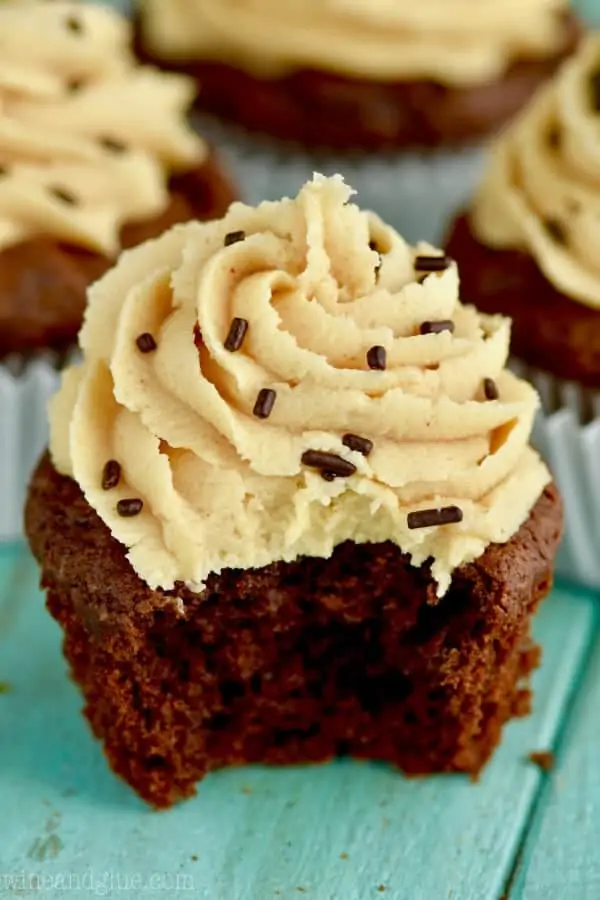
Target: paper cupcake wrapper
567,434
417,193
24,393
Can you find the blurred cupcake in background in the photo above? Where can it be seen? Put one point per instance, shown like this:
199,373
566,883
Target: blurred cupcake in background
406,91
96,154
528,247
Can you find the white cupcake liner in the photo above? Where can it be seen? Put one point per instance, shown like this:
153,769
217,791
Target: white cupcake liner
567,434
416,193
24,393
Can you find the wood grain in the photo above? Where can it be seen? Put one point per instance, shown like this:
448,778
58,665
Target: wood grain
561,859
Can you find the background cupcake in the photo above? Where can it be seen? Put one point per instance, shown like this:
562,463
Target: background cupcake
316,76
528,247
95,155
291,510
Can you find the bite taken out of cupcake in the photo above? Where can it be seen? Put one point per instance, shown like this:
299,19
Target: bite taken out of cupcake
290,510
96,154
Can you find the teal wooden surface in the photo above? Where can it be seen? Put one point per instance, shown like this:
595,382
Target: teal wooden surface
562,857
345,831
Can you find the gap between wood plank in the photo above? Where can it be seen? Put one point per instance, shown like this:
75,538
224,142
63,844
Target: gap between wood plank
558,743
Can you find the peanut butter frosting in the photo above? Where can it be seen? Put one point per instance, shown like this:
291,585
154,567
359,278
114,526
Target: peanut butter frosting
291,377
541,190
88,138
462,42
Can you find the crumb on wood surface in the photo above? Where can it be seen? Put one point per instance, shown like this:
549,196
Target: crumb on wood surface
543,759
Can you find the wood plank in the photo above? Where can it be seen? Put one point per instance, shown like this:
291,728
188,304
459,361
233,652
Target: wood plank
340,832
561,859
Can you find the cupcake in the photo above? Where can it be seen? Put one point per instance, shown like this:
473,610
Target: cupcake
95,155
527,247
290,510
406,92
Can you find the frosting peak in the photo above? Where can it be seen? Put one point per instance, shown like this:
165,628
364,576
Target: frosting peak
384,40
289,378
88,139
541,191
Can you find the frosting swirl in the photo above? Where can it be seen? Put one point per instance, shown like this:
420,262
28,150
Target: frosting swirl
88,138
352,343
541,191
372,39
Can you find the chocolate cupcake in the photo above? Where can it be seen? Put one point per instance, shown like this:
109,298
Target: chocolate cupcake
404,92
95,155
527,247
290,510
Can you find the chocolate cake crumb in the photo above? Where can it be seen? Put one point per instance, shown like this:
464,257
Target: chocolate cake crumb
543,759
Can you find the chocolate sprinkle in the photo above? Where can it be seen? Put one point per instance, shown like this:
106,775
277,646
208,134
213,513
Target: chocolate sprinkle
111,475
330,463
426,518
74,24
146,343
377,358
490,389
554,137
432,263
3,170
75,84
357,443
234,237
130,507
64,196
264,403
437,327
236,335
556,230
114,145
595,90
326,475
